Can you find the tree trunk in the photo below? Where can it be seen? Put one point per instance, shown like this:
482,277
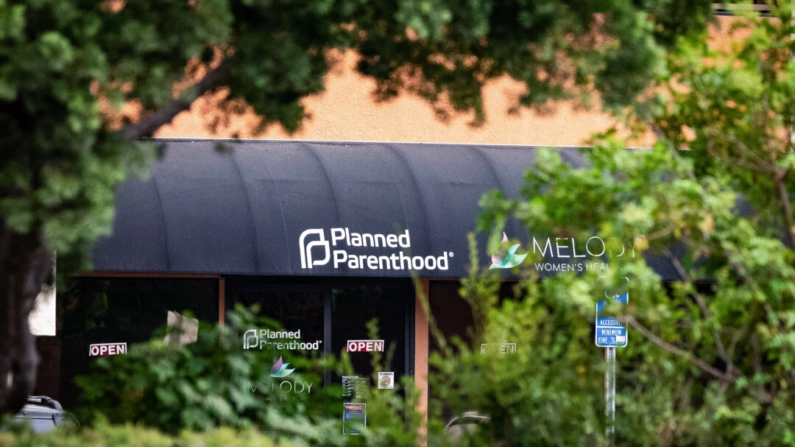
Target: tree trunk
24,265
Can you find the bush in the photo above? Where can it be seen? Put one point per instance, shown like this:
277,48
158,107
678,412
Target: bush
210,383
105,435
214,383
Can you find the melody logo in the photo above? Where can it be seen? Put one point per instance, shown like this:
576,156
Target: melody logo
510,259
280,370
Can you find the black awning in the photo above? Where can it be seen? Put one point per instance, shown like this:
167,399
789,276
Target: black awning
311,208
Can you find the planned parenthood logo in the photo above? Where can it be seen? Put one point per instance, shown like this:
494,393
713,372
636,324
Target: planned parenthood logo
306,249
268,339
382,251
250,339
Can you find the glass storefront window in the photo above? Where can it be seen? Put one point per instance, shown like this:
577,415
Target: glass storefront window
294,307
337,314
101,316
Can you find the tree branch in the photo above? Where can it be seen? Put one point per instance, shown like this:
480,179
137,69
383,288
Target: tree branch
702,304
147,126
735,338
660,233
756,357
784,197
737,161
704,366
761,164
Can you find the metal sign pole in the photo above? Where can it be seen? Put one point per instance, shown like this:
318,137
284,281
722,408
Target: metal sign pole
610,334
610,395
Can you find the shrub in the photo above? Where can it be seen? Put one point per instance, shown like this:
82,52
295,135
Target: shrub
214,383
128,435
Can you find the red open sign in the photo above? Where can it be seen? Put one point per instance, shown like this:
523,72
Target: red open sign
365,345
107,349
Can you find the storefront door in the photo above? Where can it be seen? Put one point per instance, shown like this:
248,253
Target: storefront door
366,318
372,321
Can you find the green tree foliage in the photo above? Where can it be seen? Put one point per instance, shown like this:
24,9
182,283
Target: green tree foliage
68,66
710,355
62,59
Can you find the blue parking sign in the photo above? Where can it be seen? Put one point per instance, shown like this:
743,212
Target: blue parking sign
610,333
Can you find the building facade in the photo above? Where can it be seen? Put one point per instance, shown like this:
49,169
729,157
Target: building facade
322,230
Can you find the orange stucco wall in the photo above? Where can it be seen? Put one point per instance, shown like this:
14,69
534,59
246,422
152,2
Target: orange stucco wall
346,111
